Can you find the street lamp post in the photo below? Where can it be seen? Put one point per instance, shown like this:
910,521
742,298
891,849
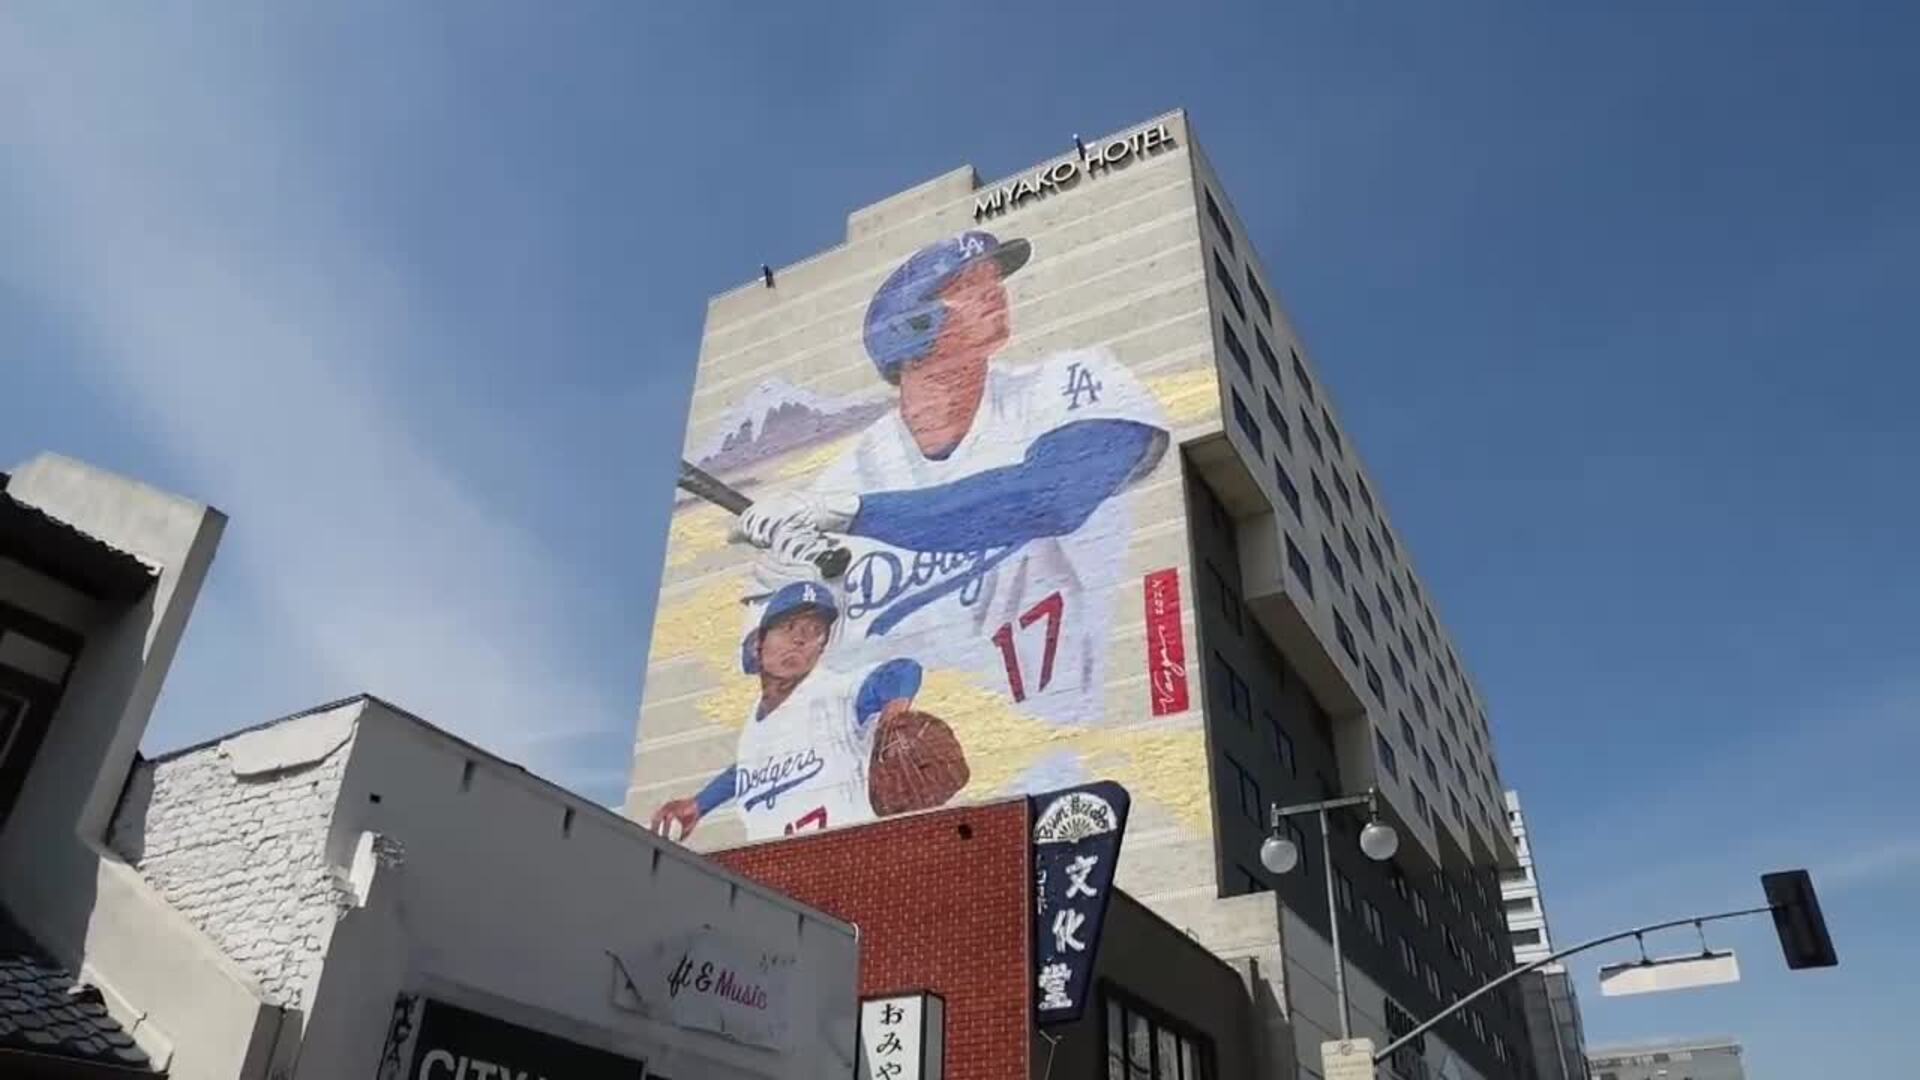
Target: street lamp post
1280,854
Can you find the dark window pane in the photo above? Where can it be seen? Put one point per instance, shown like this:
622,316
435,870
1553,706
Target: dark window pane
1219,221
1259,296
1225,277
1287,490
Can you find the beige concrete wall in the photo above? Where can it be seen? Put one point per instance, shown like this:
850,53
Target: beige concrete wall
1115,266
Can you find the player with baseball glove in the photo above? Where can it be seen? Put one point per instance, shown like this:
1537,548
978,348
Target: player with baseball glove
917,764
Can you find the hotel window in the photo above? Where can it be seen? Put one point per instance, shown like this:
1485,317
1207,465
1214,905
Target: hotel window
1279,421
1219,220
1238,350
1374,684
1366,617
1399,672
1407,735
1300,372
1346,500
1313,437
1282,746
1333,433
1297,562
1250,805
1388,760
1345,637
1249,426
1373,549
1334,567
1142,1044
1342,891
1320,496
1239,700
1227,286
1266,354
1228,599
1287,491
1259,296
1365,495
1346,539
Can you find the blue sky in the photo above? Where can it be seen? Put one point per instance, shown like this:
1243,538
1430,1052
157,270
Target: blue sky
1616,303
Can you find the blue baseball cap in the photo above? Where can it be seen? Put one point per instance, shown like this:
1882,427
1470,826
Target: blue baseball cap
906,313
798,596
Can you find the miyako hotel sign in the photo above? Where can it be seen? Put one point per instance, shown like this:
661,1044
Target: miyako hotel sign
1063,174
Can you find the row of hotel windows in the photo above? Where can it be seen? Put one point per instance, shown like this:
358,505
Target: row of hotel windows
1411,962
1254,808
1228,601
1250,426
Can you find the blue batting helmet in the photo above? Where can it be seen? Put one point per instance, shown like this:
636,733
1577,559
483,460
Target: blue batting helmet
798,596
906,313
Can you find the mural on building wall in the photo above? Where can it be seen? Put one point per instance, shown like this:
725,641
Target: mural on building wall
923,569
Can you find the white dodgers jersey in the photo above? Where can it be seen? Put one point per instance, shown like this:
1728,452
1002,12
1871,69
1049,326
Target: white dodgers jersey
1029,619
804,765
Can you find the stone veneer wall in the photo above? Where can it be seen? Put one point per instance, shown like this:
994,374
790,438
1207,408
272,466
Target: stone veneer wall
242,856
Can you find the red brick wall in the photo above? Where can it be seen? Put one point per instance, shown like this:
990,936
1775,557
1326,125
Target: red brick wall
943,902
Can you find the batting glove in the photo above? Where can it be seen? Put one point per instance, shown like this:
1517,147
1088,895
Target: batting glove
760,523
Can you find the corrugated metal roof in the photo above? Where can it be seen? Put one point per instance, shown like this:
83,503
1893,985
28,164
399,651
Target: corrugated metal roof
35,538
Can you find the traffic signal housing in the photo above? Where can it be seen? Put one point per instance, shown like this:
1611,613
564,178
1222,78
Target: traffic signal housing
1797,919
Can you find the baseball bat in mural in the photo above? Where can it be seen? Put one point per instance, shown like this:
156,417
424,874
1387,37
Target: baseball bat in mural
832,562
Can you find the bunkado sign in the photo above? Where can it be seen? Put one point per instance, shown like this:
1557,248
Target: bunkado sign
1076,842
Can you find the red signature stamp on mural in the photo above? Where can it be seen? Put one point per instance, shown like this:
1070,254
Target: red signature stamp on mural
1166,647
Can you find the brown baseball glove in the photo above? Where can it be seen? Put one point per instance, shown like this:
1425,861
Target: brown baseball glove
917,764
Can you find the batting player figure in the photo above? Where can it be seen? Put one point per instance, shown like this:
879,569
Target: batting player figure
804,751
985,514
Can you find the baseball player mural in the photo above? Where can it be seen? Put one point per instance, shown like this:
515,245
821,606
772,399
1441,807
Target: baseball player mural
805,752
985,514
973,523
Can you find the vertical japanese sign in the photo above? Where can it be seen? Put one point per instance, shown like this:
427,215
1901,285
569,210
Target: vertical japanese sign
1076,843
1166,648
903,1037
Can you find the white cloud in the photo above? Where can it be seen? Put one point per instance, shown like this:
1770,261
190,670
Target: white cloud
228,294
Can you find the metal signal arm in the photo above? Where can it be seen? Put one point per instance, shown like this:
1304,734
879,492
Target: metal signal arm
1421,1029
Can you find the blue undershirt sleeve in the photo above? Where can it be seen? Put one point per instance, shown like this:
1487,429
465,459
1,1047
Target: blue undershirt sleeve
718,791
1064,477
890,681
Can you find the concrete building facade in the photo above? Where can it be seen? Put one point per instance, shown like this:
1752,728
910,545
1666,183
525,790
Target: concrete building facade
1140,547
1670,1059
1552,1007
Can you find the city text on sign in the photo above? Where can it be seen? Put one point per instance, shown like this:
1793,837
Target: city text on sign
1098,158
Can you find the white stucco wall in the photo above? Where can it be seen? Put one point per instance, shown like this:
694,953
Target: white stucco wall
493,891
512,896
238,844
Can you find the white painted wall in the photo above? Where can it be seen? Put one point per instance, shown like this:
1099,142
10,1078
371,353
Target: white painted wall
494,891
506,907
236,840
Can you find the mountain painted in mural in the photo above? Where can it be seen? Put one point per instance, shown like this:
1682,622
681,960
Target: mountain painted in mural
777,417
